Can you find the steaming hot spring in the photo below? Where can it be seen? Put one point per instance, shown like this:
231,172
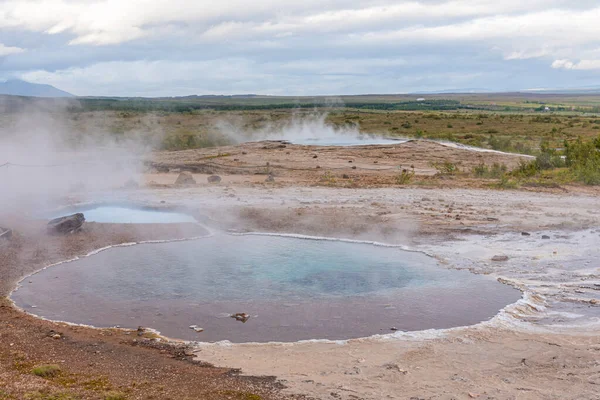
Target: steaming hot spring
290,288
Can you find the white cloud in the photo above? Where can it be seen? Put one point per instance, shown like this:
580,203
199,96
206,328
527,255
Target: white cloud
280,44
7,50
583,65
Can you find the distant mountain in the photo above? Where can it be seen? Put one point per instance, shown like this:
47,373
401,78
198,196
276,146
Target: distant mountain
18,87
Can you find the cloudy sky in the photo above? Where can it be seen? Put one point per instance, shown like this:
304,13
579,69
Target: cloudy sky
301,47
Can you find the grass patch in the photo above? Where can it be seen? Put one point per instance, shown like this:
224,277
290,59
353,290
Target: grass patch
114,395
46,371
50,396
97,384
445,168
495,171
405,176
235,395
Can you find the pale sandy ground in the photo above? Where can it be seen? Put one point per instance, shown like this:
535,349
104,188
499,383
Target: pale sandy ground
544,347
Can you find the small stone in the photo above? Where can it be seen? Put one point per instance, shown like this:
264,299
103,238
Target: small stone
185,178
500,257
525,234
345,176
354,167
270,178
56,336
315,156
242,317
545,237
197,329
214,179
393,328
193,326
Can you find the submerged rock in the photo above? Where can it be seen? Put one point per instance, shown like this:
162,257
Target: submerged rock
242,317
525,234
545,237
67,224
185,178
500,257
214,179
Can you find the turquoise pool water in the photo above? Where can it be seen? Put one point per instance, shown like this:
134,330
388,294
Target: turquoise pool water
127,215
292,288
345,140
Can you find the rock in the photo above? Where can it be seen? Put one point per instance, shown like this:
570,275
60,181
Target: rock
242,317
5,233
525,234
345,176
67,224
214,179
545,237
393,328
56,336
197,329
270,178
354,167
500,257
315,156
185,178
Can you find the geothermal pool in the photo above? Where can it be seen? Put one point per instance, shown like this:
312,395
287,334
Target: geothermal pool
345,140
292,288
127,215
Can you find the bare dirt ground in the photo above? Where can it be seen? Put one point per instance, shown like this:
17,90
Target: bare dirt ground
545,347
351,166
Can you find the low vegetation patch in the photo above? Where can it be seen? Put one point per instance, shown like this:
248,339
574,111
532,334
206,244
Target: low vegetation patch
114,395
46,371
405,176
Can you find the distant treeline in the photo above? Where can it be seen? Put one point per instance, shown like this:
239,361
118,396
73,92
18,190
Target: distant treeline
190,106
10,104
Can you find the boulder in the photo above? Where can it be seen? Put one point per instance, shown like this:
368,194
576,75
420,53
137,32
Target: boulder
214,179
185,178
67,224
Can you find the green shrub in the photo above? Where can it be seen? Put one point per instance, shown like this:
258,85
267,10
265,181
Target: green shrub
46,371
405,176
445,168
497,170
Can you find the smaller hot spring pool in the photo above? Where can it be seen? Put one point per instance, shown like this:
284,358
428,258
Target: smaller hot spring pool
292,289
345,140
116,214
